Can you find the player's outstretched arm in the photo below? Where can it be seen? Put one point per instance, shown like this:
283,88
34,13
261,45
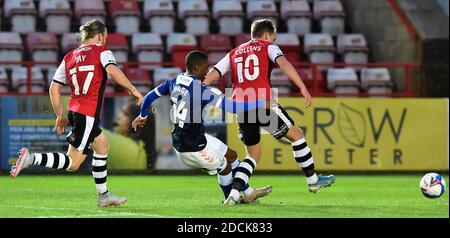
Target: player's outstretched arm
145,107
149,98
120,78
55,99
292,74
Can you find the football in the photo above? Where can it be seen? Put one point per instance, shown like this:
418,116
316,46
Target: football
432,185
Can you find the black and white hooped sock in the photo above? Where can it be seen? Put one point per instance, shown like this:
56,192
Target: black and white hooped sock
303,156
99,172
243,173
53,160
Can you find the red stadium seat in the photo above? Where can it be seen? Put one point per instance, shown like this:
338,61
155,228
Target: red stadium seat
42,46
149,48
229,14
22,14
87,10
241,39
178,46
69,41
376,80
57,14
126,15
11,47
19,80
4,82
262,9
290,45
160,15
118,44
280,81
140,78
331,16
353,48
320,48
342,80
307,75
297,15
162,74
195,15
216,46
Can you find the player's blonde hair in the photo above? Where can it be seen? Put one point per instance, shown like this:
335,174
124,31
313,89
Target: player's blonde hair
90,29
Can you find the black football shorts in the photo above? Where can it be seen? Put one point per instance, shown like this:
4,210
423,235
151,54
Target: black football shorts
275,121
84,130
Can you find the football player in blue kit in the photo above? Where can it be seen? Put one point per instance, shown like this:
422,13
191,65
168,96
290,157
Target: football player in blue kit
193,146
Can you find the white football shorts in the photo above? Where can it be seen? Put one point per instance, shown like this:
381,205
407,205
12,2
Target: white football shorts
211,158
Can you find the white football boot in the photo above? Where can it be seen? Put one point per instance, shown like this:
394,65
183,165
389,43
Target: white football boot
256,194
109,199
231,202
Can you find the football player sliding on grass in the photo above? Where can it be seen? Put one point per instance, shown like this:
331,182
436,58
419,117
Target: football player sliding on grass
189,97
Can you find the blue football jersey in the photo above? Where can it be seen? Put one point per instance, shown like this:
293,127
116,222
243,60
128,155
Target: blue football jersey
189,97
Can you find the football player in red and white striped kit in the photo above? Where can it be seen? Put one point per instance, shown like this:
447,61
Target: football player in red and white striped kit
85,69
250,65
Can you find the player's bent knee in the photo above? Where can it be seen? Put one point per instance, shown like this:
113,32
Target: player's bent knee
295,133
231,155
76,163
227,169
77,158
101,152
102,149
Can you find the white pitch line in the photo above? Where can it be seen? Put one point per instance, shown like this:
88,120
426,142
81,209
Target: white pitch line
105,213
75,216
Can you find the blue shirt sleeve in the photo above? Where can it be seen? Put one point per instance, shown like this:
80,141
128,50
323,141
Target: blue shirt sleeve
216,98
164,88
161,90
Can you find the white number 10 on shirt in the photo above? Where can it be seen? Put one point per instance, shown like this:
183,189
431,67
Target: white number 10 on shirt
241,72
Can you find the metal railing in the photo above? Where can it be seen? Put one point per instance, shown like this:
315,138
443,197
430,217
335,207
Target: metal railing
411,71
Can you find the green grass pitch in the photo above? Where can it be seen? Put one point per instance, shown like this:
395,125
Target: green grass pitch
160,196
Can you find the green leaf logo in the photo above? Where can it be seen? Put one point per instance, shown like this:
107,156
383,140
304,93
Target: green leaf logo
352,125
